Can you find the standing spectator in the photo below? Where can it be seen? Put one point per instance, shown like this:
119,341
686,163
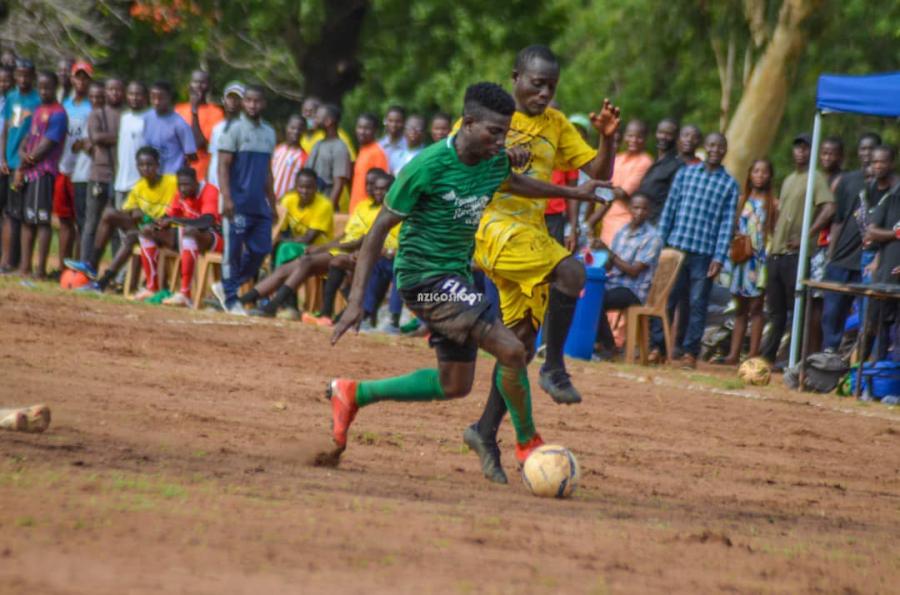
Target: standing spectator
393,140
689,139
630,167
883,233
852,216
231,105
831,157
103,133
64,74
632,261
20,105
248,198
288,157
312,135
414,135
6,83
440,126
697,219
371,156
40,153
167,132
784,259
8,58
76,158
755,219
130,139
658,179
330,158
202,117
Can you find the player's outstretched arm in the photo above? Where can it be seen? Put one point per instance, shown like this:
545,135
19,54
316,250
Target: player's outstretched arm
368,255
528,187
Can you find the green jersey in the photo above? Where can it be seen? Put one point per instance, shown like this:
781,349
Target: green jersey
441,201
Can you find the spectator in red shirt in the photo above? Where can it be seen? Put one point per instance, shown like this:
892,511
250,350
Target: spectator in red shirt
196,210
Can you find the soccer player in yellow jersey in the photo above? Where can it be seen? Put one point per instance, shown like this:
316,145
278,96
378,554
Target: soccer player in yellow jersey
533,273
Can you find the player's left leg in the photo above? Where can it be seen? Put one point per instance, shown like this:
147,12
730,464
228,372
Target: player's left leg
567,281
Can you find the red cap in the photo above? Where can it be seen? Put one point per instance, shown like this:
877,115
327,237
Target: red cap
83,65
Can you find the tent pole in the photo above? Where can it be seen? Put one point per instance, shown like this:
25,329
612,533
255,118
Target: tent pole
799,293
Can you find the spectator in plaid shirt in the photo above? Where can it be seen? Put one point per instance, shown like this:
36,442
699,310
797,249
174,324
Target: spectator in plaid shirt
698,219
632,260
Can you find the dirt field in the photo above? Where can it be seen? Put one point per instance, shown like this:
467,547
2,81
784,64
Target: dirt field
175,463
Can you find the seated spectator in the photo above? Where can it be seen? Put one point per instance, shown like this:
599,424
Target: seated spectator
288,157
283,283
383,273
309,219
146,202
632,261
377,183
440,126
39,165
756,220
195,210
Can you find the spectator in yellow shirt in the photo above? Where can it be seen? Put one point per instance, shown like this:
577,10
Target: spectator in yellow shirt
308,218
146,202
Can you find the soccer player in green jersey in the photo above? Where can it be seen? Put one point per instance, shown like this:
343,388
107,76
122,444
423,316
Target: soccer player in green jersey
440,197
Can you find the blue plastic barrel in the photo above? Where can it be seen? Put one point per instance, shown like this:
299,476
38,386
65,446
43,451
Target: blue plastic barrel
583,333
881,378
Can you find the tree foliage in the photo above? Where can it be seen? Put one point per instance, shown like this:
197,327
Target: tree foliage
690,59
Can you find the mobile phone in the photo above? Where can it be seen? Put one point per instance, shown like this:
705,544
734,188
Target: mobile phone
604,194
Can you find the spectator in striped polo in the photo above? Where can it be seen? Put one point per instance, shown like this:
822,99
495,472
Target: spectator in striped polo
697,219
288,157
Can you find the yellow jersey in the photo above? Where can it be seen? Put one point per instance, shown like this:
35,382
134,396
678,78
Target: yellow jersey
318,215
554,143
362,220
152,200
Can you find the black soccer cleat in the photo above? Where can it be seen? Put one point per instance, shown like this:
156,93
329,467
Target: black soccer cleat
558,384
488,452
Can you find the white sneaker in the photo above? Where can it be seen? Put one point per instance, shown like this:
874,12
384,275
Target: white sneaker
178,299
236,309
219,291
143,294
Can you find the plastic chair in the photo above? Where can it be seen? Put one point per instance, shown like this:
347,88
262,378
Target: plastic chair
314,287
638,317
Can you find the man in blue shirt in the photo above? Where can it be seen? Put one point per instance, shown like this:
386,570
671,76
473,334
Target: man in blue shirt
633,257
248,197
20,105
697,219
167,132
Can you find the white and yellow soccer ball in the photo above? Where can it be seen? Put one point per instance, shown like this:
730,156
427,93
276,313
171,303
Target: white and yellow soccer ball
551,471
755,371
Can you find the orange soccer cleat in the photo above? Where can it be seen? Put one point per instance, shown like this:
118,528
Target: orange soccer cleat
343,409
524,449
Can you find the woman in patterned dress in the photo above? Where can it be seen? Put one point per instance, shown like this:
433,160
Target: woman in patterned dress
755,217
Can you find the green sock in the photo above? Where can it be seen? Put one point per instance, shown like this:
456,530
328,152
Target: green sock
421,385
515,390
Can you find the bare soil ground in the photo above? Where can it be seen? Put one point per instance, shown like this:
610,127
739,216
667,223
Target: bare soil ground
176,463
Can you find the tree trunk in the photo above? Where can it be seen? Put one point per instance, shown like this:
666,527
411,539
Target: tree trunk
758,115
331,66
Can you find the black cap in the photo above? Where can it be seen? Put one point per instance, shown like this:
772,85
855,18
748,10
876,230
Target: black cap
803,137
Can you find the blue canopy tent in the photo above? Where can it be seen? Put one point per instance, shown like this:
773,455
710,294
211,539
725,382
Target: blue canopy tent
867,95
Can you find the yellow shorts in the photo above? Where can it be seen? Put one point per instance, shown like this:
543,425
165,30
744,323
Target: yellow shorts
519,260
